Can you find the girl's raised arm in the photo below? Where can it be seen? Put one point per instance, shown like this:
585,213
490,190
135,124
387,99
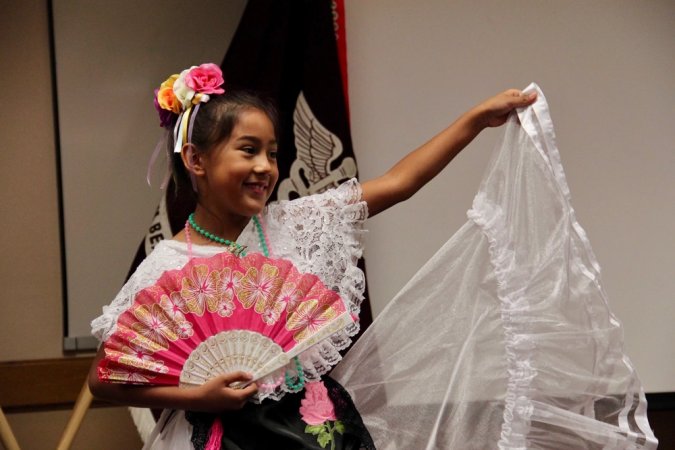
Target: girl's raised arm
415,170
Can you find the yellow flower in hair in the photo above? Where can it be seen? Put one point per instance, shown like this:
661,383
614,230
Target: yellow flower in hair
168,83
166,98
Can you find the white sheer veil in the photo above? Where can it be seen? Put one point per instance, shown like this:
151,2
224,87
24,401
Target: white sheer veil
504,339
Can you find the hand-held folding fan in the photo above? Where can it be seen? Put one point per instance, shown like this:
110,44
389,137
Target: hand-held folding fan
218,315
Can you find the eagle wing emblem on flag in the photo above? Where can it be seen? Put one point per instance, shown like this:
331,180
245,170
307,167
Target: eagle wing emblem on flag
317,149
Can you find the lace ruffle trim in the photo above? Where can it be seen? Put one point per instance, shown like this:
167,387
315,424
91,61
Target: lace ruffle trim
518,404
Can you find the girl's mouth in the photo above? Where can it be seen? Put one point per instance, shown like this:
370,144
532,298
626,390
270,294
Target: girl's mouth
257,188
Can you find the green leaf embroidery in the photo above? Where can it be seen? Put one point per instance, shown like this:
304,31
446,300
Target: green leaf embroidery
324,432
324,439
314,429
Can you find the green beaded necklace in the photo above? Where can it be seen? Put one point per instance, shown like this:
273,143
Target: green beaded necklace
234,247
240,250
296,386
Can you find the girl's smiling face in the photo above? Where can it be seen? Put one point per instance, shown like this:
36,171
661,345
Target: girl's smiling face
239,174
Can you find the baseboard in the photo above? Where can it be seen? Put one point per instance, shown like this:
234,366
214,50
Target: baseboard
45,384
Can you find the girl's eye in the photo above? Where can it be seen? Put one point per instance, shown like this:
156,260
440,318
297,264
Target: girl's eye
249,150
273,154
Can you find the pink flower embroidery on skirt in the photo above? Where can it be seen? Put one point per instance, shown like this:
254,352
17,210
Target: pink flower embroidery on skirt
318,412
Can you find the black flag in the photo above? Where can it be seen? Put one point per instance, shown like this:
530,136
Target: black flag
288,51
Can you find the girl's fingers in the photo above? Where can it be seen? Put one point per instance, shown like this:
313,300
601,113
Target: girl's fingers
235,376
249,390
496,109
242,395
517,99
529,97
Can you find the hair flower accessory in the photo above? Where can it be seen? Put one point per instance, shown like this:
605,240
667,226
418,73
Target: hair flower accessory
166,98
178,93
177,102
184,93
166,116
205,79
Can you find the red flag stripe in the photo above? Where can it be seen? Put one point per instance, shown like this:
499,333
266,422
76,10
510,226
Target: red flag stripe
338,7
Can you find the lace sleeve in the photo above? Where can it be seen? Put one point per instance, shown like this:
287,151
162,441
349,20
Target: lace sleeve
323,234
161,259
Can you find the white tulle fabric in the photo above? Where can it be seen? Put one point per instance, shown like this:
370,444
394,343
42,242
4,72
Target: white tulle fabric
321,234
504,339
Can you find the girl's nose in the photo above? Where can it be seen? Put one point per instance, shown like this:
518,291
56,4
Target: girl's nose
262,164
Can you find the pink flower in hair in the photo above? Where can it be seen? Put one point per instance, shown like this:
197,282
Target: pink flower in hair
205,79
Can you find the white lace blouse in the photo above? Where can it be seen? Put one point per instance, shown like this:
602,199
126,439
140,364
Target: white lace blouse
321,234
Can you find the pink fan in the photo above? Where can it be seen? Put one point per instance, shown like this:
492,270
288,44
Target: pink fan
217,315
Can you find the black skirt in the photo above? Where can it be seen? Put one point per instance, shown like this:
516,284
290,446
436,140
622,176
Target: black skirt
278,425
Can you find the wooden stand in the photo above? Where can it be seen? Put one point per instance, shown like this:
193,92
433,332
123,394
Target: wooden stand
79,410
6,435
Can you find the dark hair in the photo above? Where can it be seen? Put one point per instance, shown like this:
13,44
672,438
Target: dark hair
214,123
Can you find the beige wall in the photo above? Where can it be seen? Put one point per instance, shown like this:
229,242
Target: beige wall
30,267
30,271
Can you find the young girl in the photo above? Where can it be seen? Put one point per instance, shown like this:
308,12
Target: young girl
227,144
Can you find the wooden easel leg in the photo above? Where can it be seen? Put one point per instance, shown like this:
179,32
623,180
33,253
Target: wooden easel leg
6,435
79,410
